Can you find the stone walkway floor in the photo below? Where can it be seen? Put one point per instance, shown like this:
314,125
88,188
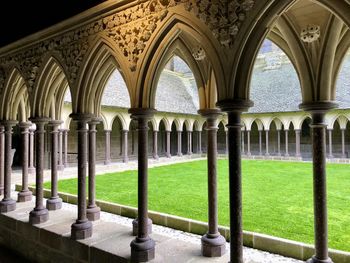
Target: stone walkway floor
174,246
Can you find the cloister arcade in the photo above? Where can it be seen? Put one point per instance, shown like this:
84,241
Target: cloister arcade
219,41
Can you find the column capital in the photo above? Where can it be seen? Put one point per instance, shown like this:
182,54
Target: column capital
39,120
55,123
232,105
95,120
81,117
25,125
210,113
107,131
141,113
9,123
318,106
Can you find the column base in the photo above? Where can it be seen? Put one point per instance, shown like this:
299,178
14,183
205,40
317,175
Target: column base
93,213
179,154
125,160
7,206
1,190
81,230
31,170
107,162
168,155
54,203
60,167
24,196
213,246
156,157
267,154
286,155
315,260
142,249
38,216
135,226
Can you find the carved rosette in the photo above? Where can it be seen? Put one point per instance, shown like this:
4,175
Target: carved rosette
223,17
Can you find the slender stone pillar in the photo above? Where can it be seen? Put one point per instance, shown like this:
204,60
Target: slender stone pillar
226,142
297,143
108,147
243,143
318,128
286,133
330,146
267,142
213,244
248,144
54,202
155,145
234,109
7,204
93,211
31,168
260,143
25,195
168,155
343,143
65,146
82,228
279,142
60,166
142,247
189,142
125,146
2,158
179,143
39,214
199,151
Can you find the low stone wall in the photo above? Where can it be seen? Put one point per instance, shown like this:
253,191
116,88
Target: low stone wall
263,242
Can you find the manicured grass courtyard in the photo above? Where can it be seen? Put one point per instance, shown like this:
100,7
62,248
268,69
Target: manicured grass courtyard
277,196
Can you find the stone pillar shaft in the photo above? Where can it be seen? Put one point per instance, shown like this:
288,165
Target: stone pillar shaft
343,143
82,228
7,204
286,137
226,142
267,142
278,142
25,195
260,142
200,142
2,159
248,144
243,143
125,146
60,150
330,146
318,128
93,211
39,214
168,155
65,145
179,143
54,202
31,168
155,145
189,142
108,147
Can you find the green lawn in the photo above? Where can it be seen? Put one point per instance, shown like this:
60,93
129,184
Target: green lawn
277,196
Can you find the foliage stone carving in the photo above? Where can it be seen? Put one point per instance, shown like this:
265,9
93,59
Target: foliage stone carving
223,17
2,80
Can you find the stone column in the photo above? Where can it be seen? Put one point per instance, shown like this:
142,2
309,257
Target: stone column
93,211
7,204
82,228
267,142
65,146
234,109
54,202
2,158
125,146
318,129
279,142
25,195
31,168
39,214
330,146
108,147
142,247
179,143
297,143
286,133
226,142
155,145
60,166
199,142
213,244
343,143
189,142
260,143
248,144
168,155
243,144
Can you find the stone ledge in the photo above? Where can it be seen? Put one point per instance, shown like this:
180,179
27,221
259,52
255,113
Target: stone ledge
284,247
